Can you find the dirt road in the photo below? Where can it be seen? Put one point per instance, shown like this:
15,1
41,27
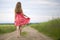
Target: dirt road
32,34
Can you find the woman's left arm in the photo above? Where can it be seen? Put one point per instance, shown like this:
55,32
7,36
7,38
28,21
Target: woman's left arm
24,14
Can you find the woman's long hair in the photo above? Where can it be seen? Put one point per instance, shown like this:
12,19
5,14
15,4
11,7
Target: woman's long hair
18,7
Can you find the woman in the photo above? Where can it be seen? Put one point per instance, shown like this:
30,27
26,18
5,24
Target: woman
20,18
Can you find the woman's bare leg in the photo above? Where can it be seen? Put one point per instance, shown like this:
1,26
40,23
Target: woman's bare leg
20,28
17,28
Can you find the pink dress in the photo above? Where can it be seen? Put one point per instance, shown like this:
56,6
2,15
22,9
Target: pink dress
20,19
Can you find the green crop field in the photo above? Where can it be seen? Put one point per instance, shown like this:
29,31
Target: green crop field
6,28
50,28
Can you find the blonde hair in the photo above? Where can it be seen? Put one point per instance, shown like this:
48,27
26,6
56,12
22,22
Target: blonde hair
18,7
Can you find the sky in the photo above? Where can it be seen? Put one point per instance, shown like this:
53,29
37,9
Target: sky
37,10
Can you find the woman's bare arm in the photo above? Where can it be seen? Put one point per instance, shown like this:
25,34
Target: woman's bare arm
24,14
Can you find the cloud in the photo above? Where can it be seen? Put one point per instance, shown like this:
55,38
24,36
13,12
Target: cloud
44,2
41,18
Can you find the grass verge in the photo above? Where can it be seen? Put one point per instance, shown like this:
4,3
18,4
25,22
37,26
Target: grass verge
50,28
6,28
24,33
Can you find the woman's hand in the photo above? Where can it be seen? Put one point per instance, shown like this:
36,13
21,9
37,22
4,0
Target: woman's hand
26,16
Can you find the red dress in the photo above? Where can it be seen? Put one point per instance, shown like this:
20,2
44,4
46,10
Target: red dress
20,19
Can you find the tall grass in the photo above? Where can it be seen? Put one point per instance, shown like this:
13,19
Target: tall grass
6,28
50,28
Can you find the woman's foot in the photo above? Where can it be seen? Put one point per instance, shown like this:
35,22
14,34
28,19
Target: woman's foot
18,36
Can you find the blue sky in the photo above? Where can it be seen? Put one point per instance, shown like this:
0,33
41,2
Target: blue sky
37,10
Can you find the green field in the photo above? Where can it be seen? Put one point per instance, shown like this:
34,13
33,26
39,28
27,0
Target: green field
6,28
50,28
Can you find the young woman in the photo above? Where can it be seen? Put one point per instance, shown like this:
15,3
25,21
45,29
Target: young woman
20,18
